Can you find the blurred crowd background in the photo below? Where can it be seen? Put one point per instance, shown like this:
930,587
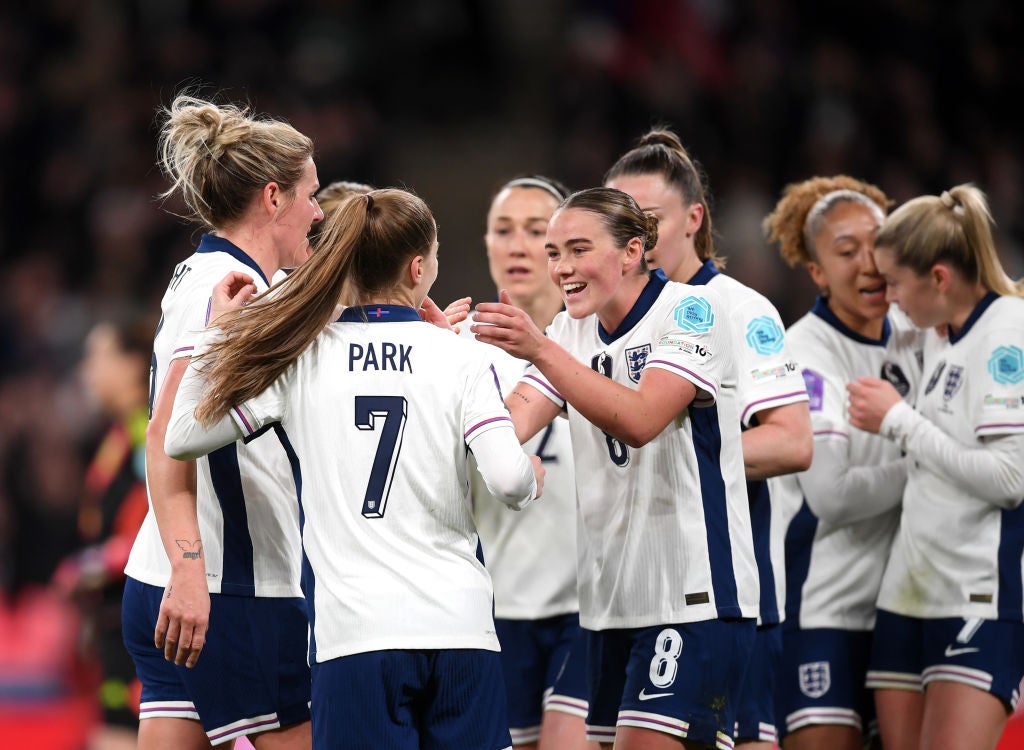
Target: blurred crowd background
449,98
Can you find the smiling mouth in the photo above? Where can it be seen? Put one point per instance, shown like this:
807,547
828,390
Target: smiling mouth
570,290
872,290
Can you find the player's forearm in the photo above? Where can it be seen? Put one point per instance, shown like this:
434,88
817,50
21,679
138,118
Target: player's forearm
840,494
172,489
505,469
781,443
623,413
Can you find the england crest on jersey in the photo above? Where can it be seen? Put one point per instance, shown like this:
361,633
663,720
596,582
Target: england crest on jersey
815,678
636,358
954,379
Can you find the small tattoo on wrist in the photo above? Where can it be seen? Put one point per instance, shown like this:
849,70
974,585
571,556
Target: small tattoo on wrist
190,550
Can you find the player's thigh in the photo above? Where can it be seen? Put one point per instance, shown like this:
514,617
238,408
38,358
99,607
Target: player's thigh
564,731
961,717
824,737
294,737
164,733
900,714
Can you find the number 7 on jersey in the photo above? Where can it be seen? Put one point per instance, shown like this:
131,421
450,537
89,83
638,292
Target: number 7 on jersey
393,410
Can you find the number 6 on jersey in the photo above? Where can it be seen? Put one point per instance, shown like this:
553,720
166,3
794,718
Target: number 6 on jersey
393,410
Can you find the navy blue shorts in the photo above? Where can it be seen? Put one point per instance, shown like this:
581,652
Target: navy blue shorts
910,652
683,680
755,713
821,680
429,699
251,676
534,658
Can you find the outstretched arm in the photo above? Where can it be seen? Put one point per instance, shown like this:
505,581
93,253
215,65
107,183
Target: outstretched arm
634,416
992,472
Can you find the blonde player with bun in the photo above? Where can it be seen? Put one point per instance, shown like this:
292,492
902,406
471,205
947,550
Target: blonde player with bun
949,645
379,411
840,515
667,579
214,572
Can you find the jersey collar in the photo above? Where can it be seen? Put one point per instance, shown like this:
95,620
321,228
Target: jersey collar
655,283
211,243
707,272
979,309
823,311
378,314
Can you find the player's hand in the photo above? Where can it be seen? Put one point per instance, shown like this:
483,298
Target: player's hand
458,311
506,326
232,292
539,472
431,313
184,615
870,401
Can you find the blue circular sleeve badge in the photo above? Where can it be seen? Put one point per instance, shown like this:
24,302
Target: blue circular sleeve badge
694,314
765,336
1006,365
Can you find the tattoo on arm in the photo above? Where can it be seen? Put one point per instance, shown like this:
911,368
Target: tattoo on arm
523,396
190,550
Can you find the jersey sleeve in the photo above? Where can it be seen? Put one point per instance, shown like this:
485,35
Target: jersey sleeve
693,342
257,414
186,309
767,373
483,408
998,406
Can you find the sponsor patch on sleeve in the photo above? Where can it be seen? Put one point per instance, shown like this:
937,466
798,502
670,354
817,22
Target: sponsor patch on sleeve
815,385
678,344
694,314
765,336
1006,365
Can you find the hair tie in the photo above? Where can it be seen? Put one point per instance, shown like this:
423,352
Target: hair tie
369,202
947,200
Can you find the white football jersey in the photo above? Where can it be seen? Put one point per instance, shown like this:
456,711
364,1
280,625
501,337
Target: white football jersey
664,530
531,555
834,565
957,555
768,377
246,497
387,530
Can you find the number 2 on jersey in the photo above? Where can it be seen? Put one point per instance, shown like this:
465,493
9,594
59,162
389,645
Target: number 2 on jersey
393,410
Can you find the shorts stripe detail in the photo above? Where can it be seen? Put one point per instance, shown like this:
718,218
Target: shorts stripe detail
657,722
765,732
810,716
566,705
723,742
525,735
950,673
168,710
243,726
879,680
604,735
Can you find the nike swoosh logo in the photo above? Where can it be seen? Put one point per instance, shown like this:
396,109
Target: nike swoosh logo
950,651
645,696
